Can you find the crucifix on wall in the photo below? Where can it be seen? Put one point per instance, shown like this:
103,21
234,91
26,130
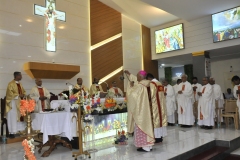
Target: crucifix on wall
51,14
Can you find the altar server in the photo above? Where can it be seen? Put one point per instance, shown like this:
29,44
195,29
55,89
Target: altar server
15,92
196,88
158,108
185,103
115,90
206,105
139,112
95,87
41,96
170,102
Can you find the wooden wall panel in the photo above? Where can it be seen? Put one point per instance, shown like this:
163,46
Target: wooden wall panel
105,22
150,65
107,58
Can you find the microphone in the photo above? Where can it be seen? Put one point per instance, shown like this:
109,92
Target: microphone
69,84
122,77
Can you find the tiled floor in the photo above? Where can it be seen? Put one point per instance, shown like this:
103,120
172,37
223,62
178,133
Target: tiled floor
178,141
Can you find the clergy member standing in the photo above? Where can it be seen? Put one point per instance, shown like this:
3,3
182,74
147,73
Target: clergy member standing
170,102
236,90
158,108
175,87
218,95
95,87
185,103
115,90
206,105
41,96
80,87
196,88
15,92
139,110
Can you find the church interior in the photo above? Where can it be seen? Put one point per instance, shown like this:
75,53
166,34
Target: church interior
71,63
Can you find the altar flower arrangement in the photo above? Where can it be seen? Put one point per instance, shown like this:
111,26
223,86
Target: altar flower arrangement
29,149
26,106
110,102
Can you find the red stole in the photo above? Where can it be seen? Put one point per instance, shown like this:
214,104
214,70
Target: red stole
116,90
98,88
41,93
201,115
159,89
19,88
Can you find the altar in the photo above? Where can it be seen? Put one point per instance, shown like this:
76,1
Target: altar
101,129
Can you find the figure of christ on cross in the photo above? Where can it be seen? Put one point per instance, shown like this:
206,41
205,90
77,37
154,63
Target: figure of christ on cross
50,14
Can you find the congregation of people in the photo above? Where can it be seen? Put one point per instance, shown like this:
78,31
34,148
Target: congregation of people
152,105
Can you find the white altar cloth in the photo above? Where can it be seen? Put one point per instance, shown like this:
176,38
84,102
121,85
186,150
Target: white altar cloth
56,123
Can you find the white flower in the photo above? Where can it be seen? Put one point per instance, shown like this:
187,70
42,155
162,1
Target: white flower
98,109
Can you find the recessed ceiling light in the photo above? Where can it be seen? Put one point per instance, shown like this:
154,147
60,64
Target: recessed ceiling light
14,61
20,25
61,27
29,56
29,20
163,64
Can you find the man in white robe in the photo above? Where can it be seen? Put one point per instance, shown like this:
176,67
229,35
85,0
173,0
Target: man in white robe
218,96
175,87
196,88
80,87
139,112
170,102
117,92
15,92
236,90
158,108
95,87
206,105
185,103
41,96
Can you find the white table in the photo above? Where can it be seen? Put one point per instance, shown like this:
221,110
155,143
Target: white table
57,123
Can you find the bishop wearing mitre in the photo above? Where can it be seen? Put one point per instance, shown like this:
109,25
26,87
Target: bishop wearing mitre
95,87
80,87
139,112
41,96
115,90
15,92
206,105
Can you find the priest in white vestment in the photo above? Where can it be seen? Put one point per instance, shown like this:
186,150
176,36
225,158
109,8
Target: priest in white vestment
236,90
80,87
95,87
15,92
170,102
117,92
158,108
218,96
185,103
175,87
41,96
139,112
206,105
196,88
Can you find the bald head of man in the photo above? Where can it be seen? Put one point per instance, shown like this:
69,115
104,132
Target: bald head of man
38,82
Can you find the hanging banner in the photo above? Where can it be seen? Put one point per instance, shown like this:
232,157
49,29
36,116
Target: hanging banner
207,67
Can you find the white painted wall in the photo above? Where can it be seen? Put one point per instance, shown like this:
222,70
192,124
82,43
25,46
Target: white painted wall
221,72
197,35
132,46
73,41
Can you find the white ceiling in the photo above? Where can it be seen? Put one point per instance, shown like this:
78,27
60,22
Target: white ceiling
141,12
152,13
